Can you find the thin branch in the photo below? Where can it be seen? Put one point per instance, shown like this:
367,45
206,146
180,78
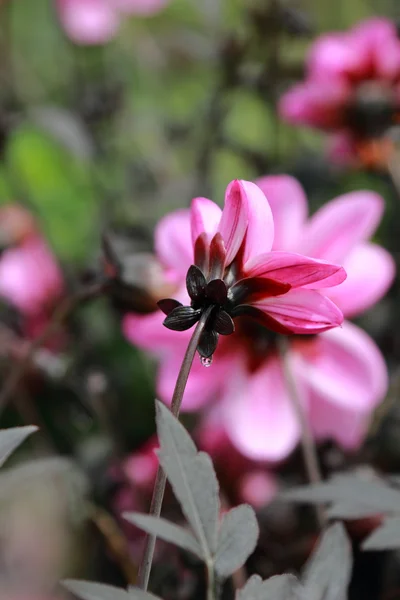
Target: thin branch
159,486
210,582
60,314
307,440
116,542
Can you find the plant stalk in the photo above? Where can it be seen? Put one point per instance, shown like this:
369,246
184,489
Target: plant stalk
159,486
308,448
210,582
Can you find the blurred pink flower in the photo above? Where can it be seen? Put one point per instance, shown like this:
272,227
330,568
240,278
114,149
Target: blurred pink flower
241,479
352,89
90,22
30,277
341,373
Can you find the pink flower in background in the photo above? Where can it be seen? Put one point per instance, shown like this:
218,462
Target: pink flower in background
90,22
341,373
241,479
352,89
30,277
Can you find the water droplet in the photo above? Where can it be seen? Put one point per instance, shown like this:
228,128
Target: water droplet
206,362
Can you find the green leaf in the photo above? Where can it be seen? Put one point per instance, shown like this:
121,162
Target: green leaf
237,538
88,590
165,530
58,186
327,573
11,438
192,477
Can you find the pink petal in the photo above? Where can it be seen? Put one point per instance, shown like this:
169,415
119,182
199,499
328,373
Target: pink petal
258,415
348,369
373,31
260,230
336,55
88,22
295,269
376,39
331,422
387,58
311,103
338,226
370,272
371,35
289,208
302,311
141,466
258,488
203,384
173,241
205,216
30,277
235,218
144,8
347,379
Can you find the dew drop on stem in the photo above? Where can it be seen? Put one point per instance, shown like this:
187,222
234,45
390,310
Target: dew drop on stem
206,361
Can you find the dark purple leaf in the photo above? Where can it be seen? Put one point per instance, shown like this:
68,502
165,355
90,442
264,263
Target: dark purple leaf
223,323
207,344
167,305
182,318
195,283
216,291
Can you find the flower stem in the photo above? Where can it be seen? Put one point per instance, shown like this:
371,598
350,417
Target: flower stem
159,486
210,582
309,450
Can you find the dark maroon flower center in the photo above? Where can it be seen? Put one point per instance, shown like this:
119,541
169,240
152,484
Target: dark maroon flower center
219,290
372,110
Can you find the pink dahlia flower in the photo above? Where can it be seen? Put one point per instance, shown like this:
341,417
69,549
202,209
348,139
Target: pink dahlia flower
238,275
340,373
352,89
90,22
